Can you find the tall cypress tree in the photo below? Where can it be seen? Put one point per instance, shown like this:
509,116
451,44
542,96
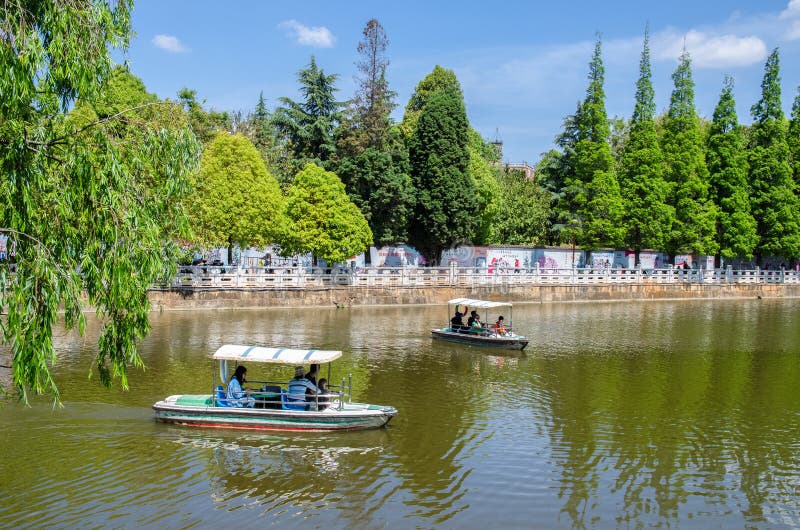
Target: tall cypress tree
647,218
446,205
793,138
694,229
598,203
727,165
775,205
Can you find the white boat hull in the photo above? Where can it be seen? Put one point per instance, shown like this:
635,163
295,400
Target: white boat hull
199,411
508,342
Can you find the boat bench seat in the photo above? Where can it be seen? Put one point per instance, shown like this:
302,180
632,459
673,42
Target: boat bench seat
219,393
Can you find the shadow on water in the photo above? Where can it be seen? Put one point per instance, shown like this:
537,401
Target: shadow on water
677,414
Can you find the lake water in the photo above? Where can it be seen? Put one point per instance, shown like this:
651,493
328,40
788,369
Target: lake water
669,414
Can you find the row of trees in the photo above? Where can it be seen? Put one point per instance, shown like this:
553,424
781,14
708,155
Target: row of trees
676,183
430,180
103,182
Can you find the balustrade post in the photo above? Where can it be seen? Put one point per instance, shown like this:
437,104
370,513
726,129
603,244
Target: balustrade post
639,273
453,273
729,274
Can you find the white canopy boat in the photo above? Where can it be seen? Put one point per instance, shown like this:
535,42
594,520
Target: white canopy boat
491,335
270,407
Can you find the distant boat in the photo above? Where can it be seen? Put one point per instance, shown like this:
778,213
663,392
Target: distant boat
273,408
485,335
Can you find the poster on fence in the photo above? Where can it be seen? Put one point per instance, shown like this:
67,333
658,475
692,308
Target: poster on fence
399,256
465,256
509,259
683,261
650,259
559,258
601,259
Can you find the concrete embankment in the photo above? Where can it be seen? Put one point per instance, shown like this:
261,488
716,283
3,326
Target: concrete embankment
233,298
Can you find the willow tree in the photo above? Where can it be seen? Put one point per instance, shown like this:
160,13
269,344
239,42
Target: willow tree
727,164
648,217
694,229
321,219
775,203
86,208
236,201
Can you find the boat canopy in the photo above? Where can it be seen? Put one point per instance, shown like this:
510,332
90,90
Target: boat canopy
478,303
259,354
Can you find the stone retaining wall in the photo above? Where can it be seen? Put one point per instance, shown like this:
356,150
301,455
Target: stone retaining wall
342,296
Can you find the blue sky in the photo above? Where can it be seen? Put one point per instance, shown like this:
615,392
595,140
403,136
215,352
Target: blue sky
522,65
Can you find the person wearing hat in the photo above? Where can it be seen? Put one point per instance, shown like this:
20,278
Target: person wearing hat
300,387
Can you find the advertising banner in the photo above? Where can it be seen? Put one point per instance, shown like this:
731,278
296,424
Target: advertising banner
509,259
464,256
601,259
399,256
559,258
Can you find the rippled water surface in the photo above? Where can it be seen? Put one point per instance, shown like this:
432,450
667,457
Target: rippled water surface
683,414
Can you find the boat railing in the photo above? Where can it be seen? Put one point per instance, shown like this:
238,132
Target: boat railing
266,396
204,276
489,331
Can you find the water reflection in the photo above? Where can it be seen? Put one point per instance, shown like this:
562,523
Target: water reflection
645,414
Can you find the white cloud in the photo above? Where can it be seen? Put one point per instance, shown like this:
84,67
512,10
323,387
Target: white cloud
792,14
320,37
709,50
792,10
793,33
169,43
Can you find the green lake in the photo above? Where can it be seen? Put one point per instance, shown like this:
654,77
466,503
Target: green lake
618,415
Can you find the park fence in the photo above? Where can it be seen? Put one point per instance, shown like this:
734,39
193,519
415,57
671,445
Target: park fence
453,276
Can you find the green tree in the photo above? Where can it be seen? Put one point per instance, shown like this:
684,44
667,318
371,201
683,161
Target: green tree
88,209
439,79
205,124
309,125
446,205
379,183
793,138
596,200
727,164
773,193
322,220
524,213
484,175
555,174
694,228
236,201
647,218
374,101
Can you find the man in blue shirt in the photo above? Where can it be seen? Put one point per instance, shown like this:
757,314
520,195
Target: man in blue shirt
300,387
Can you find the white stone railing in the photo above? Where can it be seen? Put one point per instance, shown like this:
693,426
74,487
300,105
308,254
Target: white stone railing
301,277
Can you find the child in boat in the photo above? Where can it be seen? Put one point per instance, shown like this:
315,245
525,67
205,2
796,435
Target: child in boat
499,327
323,389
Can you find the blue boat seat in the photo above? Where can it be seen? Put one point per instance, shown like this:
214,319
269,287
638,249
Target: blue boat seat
219,393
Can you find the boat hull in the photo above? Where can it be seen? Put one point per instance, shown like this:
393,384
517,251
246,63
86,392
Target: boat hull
200,412
511,342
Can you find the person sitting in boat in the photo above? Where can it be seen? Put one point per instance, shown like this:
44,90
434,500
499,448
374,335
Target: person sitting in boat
499,327
312,374
301,389
474,323
323,389
237,397
457,322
